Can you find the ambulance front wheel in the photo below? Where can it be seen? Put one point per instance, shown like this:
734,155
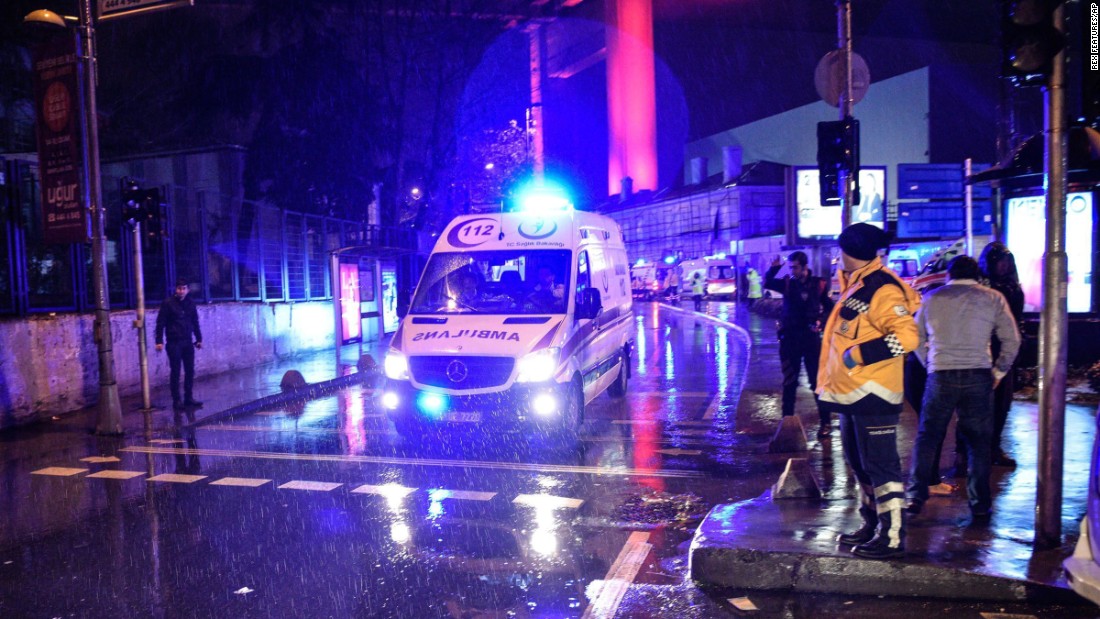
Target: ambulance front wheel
574,408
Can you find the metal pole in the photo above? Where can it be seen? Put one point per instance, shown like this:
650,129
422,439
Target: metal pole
1053,322
139,318
968,196
338,328
844,43
110,409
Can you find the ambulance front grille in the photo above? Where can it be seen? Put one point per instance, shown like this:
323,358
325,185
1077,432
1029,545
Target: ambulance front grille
456,372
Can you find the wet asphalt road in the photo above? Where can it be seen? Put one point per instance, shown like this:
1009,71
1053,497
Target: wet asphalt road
324,511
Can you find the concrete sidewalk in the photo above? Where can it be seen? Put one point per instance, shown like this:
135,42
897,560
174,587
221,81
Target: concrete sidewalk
229,392
789,544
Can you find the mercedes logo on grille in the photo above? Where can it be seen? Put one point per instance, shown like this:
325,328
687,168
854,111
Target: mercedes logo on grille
457,371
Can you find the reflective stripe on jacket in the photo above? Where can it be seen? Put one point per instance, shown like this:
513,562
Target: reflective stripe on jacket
874,320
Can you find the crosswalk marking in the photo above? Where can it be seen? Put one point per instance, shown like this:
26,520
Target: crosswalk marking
439,494
166,441
99,459
619,577
396,491
117,474
321,486
549,501
469,464
240,481
712,408
59,471
176,478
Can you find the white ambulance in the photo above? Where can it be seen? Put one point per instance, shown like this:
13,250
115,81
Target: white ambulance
519,320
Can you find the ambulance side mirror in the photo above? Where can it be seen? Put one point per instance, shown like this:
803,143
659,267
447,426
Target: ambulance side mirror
589,304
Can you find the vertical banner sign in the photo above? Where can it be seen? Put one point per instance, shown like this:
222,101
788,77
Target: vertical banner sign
60,148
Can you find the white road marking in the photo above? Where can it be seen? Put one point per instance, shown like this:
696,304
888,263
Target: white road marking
240,481
395,491
322,486
99,459
712,408
117,474
547,501
176,478
166,441
471,464
619,577
59,471
439,494
287,428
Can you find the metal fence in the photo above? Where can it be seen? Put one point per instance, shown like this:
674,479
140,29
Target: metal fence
250,252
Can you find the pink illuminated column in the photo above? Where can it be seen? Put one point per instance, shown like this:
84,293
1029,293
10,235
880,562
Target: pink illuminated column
631,95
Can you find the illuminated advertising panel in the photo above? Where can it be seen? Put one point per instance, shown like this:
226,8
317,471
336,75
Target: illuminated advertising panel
390,319
1026,238
817,221
350,319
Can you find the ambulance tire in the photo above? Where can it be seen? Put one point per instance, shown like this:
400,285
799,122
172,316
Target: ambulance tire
573,416
617,389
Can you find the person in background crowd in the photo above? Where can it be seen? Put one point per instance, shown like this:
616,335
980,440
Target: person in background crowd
861,375
674,283
178,323
957,323
998,266
755,289
698,289
805,306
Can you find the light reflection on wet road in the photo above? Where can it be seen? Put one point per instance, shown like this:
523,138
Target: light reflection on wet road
323,510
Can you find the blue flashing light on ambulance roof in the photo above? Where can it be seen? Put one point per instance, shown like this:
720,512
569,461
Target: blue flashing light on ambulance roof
670,259
544,197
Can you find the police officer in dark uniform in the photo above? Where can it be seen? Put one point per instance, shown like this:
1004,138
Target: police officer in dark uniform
178,322
806,304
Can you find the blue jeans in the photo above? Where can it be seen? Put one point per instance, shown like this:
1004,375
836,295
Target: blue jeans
970,394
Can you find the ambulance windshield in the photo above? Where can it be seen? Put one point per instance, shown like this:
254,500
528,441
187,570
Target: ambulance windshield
494,282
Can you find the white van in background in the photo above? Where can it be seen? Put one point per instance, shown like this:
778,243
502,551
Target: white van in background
519,319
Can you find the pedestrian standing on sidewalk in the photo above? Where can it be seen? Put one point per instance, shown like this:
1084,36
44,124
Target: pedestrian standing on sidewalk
958,322
698,289
999,269
805,307
178,323
861,377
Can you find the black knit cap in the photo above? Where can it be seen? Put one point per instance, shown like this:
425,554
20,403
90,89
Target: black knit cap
862,241
181,281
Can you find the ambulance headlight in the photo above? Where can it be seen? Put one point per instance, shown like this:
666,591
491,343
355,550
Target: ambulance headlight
538,366
396,365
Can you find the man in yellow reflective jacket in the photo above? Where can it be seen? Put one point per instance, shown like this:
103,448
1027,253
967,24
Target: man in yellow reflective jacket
861,378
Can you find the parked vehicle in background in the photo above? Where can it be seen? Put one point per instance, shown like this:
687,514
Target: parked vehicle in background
719,272
934,273
649,281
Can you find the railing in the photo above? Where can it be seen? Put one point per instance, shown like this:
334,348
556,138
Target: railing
256,253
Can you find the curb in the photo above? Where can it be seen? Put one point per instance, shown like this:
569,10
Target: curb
309,391
729,550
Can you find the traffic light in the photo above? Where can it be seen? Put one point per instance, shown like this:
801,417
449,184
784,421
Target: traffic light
837,152
143,206
1030,39
131,200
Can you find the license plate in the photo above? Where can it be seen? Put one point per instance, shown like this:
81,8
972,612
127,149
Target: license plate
462,417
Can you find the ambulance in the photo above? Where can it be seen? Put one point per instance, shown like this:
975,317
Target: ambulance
518,321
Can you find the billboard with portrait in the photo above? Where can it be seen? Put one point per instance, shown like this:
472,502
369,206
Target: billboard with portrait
1025,220
816,221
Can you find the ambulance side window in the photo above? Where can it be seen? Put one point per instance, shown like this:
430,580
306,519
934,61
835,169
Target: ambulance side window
584,279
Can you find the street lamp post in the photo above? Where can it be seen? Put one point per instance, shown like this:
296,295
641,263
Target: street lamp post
109,420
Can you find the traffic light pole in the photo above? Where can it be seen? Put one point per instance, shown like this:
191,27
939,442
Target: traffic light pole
844,43
110,409
139,317
1053,324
